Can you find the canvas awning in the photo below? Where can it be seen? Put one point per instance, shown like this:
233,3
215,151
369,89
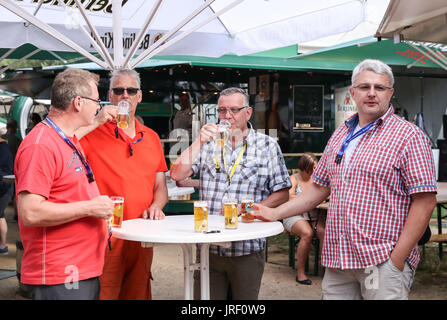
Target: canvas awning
346,56
421,21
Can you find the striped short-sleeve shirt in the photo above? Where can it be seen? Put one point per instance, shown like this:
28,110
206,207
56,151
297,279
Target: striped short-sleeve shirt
371,197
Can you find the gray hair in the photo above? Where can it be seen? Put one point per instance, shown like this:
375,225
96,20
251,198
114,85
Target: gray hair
69,84
373,65
125,73
233,90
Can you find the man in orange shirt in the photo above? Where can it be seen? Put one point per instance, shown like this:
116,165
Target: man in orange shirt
127,162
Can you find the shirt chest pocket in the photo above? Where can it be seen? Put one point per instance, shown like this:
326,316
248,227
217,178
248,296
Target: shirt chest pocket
255,172
383,162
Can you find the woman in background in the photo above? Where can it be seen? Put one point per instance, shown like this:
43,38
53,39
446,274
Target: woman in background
308,224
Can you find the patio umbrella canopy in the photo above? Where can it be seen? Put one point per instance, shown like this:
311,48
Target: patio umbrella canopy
130,32
415,20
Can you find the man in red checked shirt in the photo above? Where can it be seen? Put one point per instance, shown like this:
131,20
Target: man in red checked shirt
379,172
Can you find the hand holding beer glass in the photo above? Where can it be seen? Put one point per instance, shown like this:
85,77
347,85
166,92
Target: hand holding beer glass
118,212
247,209
122,118
200,216
231,213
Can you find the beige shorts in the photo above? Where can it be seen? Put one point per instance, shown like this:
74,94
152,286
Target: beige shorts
290,221
382,282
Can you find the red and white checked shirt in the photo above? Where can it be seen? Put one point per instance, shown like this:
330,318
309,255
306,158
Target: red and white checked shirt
369,204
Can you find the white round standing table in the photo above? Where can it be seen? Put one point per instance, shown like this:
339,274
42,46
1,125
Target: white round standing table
180,191
179,229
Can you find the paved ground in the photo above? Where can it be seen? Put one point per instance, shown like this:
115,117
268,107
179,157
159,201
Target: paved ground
278,282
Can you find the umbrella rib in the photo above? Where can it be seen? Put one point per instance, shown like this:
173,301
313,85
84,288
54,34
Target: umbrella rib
20,60
57,56
435,53
96,42
35,11
150,53
425,53
51,31
157,44
143,30
7,54
223,24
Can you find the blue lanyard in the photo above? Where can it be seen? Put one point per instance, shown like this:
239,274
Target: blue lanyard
80,155
133,142
351,136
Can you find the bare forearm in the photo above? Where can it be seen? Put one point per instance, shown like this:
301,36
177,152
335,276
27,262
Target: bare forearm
160,198
275,199
46,213
35,210
307,200
83,131
418,217
182,167
160,191
107,113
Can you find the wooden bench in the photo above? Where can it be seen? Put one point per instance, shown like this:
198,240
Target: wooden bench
439,238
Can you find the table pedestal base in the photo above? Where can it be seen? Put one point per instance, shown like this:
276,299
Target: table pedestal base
190,267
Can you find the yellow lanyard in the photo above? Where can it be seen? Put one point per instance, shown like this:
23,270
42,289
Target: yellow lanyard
238,160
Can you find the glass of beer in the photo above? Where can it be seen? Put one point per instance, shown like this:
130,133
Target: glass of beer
122,117
230,213
222,132
200,216
247,209
118,206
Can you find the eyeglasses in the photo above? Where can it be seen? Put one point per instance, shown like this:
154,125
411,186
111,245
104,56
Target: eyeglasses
365,87
130,91
230,110
91,99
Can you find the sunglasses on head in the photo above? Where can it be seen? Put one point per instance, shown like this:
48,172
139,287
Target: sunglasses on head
120,91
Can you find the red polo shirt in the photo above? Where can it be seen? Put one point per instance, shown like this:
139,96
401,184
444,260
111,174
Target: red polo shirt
72,251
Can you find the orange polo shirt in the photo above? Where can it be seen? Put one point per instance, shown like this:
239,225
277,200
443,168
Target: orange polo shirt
117,172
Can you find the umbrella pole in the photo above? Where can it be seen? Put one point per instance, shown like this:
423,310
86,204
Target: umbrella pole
117,34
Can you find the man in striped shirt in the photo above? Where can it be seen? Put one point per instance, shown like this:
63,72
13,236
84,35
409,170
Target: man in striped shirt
250,164
379,172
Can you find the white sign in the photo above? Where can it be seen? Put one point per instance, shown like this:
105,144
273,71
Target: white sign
344,105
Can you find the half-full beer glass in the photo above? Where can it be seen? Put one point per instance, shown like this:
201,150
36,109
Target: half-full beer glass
200,216
230,213
118,207
122,117
247,209
222,132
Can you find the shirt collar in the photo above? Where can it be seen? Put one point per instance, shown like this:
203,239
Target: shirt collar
140,130
353,120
